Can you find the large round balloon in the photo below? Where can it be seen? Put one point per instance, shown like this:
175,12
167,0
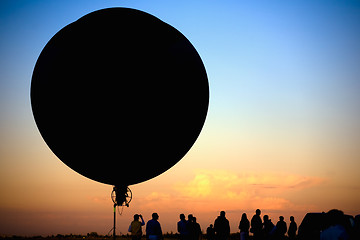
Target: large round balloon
119,96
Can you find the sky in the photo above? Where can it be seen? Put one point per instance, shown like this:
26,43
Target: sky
282,132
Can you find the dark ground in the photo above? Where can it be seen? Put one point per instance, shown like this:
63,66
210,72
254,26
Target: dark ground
94,236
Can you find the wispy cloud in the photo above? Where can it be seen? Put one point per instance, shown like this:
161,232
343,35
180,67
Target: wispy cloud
209,191
253,190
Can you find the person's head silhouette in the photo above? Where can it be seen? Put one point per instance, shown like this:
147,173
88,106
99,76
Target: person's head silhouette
222,214
155,216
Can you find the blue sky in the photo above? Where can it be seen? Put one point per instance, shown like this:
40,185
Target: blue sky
284,82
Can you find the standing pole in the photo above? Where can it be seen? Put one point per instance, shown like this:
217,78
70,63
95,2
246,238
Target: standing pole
121,196
114,233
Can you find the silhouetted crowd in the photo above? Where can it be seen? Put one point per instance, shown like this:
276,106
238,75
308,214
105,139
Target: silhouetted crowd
266,230
261,229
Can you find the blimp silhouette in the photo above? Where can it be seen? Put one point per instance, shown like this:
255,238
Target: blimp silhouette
119,96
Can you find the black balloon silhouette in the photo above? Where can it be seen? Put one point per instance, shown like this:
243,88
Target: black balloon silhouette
119,96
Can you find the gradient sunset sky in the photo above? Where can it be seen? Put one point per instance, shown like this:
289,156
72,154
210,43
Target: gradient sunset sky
282,132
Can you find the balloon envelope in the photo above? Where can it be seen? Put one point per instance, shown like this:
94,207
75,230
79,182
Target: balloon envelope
119,96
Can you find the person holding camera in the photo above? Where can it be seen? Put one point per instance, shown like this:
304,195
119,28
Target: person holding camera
136,227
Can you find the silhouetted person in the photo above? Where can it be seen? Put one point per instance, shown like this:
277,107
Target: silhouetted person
197,229
222,227
292,228
135,227
182,228
153,228
357,227
281,228
191,227
256,225
244,227
335,229
210,232
268,228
